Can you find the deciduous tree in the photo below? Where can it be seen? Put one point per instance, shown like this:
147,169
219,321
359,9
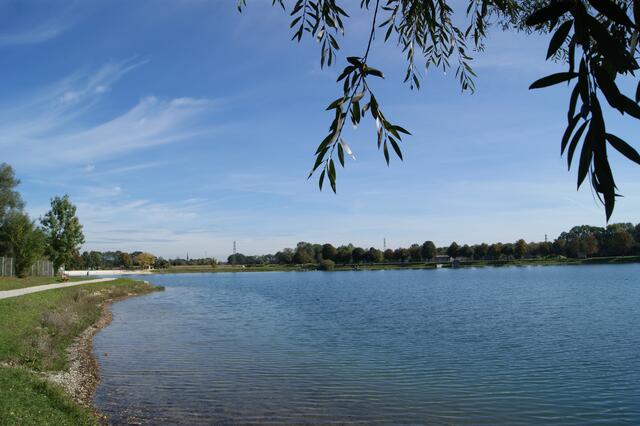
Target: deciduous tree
428,250
465,251
125,260
520,249
63,231
24,239
146,260
10,199
453,250
329,252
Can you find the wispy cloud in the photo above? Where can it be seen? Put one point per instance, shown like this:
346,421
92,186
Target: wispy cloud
24,28
53,125
90,168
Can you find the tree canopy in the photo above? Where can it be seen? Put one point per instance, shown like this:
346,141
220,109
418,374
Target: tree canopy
24,240
10,199
597,39
63,231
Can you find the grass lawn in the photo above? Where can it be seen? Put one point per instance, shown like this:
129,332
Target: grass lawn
11,283
28,400
35,331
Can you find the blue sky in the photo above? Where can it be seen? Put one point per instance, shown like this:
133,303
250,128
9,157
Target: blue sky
182,126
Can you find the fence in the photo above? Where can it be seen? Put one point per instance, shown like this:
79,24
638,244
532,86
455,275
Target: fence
42,268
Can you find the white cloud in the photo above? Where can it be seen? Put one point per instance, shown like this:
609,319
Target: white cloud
35,26
43,32
50,126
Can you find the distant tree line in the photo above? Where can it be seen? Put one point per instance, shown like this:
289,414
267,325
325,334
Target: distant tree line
116,260
619,239
134,260
56,238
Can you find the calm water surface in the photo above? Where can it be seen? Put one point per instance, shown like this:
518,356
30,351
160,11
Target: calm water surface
554,345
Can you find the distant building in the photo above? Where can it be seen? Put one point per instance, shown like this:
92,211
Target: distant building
442,259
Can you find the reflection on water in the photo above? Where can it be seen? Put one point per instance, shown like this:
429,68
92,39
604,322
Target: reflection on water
556,345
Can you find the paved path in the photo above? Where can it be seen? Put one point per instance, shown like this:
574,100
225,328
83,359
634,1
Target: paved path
36,289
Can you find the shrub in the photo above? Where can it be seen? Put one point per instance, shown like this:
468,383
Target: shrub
24,239
327,265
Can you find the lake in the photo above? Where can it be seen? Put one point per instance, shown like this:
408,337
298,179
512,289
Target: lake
517,345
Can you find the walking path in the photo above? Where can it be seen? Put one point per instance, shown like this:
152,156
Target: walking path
35,289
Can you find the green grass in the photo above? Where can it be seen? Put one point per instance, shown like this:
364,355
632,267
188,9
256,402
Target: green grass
25,399
35,331
11,283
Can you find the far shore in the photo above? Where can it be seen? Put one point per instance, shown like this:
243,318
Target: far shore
362,266
100,272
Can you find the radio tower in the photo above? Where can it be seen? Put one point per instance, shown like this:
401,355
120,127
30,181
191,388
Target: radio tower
233,262
384,244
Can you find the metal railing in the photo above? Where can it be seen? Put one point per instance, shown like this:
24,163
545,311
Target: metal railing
42,268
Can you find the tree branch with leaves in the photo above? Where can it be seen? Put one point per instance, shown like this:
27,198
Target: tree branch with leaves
598,40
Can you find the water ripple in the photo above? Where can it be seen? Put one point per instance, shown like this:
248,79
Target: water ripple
554,345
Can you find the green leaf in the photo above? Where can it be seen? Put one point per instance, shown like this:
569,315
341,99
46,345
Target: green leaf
355,112
586,155
319,159
374,107
547,13
321,179
608,46
355,61
558,38
568,132
573,102
623,147
336,103
332,175
606,185
325,142
348,70
295,21
357,97
386,152
401,130
628,106
396,148
612,11
341,154
388,33
374,72
552,79
574,143
608,87
390,128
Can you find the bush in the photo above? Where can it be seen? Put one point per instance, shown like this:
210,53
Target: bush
24,239
327,265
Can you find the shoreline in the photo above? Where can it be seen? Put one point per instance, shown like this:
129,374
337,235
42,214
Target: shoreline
613,260
82,378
